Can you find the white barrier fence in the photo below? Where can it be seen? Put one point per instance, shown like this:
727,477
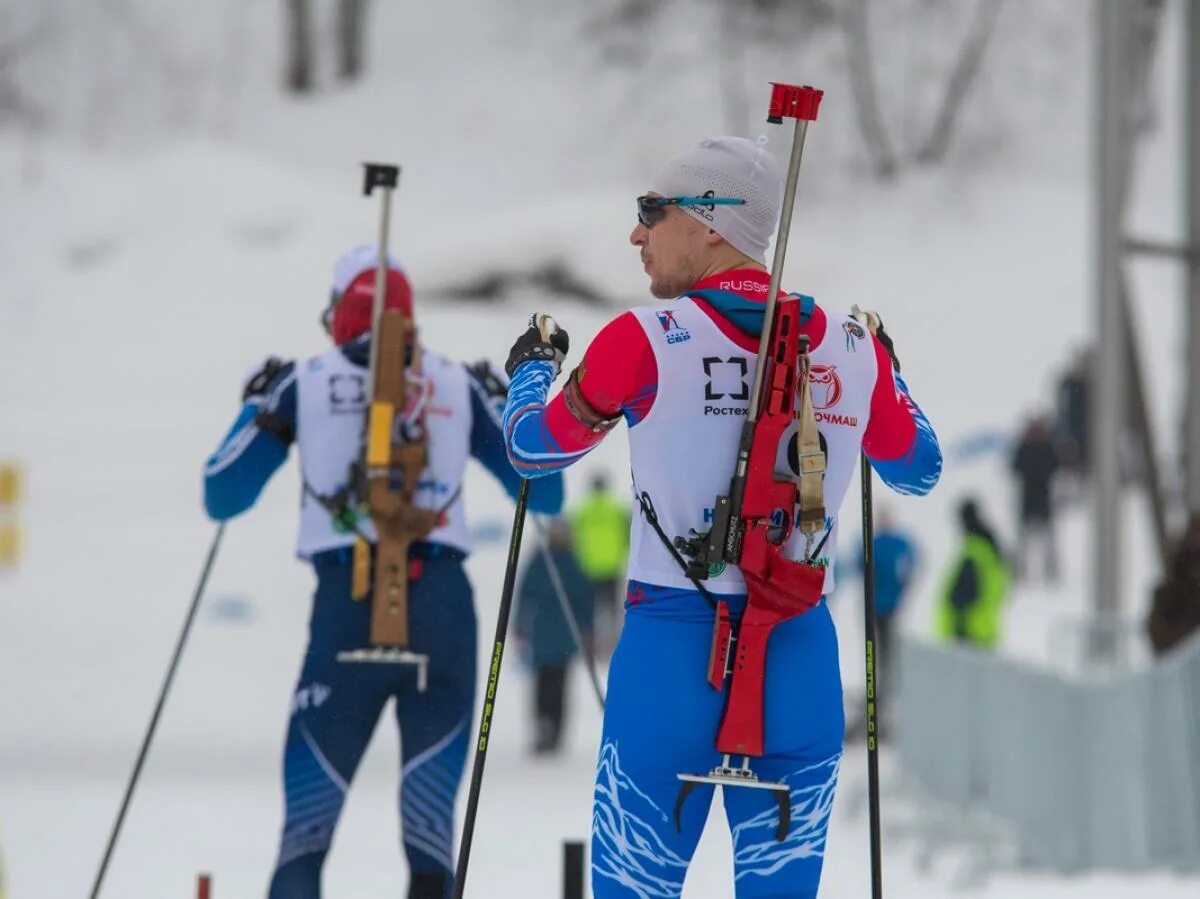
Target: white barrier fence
1084,772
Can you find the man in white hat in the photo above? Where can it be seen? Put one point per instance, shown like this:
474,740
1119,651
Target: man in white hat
680,373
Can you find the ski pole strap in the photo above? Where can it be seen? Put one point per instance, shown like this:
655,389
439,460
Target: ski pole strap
652,518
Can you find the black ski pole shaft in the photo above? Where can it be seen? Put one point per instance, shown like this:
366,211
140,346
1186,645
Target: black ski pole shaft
564,601
158,707
872,712
573,869
489,699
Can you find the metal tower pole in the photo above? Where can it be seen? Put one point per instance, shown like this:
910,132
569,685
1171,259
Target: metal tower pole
1191,177
1108,390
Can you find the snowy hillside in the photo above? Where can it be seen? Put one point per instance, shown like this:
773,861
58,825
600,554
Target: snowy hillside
145,266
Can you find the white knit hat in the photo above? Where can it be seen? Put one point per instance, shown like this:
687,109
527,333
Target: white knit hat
729,167
354,262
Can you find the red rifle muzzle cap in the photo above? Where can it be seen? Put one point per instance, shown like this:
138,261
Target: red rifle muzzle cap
790,101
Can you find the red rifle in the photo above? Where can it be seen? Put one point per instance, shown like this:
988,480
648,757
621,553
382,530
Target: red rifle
753,522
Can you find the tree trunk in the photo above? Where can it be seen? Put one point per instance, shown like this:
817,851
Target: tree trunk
730,55
14,103
962,78
299,46
351,29
1146,20
862,84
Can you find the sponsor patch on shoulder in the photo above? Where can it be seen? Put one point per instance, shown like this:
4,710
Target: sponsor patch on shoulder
674,331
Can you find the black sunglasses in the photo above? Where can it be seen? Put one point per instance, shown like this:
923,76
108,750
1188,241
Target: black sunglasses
651,210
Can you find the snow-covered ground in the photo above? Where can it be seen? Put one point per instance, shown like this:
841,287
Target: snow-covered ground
138,284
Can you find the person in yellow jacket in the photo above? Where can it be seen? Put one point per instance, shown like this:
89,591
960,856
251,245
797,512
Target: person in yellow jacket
971,606
600,526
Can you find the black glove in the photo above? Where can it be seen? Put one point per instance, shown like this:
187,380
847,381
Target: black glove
489,378
874,324
261,378
544,341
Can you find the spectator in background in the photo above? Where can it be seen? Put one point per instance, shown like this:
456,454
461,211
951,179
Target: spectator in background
1074,391
1035,464
895,565
971,605
601,530
1175,613
543,629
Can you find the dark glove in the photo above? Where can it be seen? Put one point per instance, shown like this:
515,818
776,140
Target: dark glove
260,379
491,380
544,341
873,323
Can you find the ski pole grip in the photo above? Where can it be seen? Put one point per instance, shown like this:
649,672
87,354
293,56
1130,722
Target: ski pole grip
380,174
790,101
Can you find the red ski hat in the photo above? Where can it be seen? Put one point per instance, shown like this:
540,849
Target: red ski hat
352,313
354,293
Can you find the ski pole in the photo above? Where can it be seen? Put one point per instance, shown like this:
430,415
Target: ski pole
573,869
870,628
589,660
489,699
158,707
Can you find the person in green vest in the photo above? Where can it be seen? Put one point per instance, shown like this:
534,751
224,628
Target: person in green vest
601,529
970,608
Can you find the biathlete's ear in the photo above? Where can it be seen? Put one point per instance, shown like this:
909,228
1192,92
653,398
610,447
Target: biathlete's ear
712,238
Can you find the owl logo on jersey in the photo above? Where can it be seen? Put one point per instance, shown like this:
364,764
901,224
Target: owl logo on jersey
825,385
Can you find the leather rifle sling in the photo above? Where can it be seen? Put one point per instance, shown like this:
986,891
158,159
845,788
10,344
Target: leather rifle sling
811,459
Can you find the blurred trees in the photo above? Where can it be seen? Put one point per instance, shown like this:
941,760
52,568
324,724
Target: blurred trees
350,36
959,81
15,104
861,67
916,82
909,82
854,19
298,15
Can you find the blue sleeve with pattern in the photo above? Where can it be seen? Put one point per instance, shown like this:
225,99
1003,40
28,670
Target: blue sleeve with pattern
916,472
253,450
487,446
532,449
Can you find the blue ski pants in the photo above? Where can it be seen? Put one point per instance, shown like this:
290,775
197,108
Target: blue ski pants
661,720
337,704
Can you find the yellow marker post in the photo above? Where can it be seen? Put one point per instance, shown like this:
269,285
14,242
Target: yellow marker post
10,485
10,545
10,526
